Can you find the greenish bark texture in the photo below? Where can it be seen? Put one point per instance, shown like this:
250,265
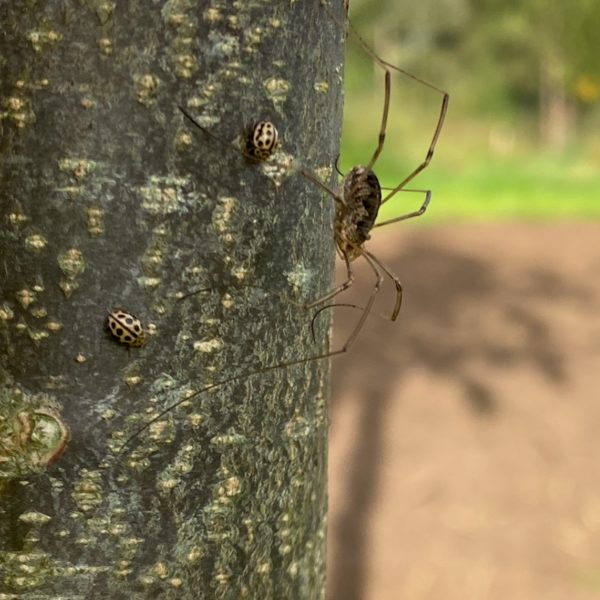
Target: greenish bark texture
110,198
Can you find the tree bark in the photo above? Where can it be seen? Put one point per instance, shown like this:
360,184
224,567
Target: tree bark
109,198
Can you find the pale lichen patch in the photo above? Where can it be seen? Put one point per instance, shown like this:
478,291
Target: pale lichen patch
71,263
161,570
208,346
38,336
132,380
6,312
195,554
253,37
222,577
321,87
33,517
53,326
146,88
176,19
240,272
79,168
104,11
17,219
195,420
40,39
210,89
39,312
18,110
68,287
222,213
277,90
153,258
227,301
105,46
25,297
167,484
229,439
183,140
212,15
149,282
324,173
231,487
87,491
95,220
165,195
186,65
70,192
205,120
36,242
280,166
299,277
224,46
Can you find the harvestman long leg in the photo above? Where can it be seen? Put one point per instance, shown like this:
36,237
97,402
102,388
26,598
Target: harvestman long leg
282,365
282,296
410,215
383,266
386,66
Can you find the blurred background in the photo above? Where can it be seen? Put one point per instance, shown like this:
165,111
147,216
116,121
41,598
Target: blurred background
465,438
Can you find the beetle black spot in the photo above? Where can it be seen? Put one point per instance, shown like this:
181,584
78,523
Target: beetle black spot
136,328
129,321
119,332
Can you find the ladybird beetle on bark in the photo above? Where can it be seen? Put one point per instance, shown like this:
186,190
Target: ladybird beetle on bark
261,141
258,143
126,328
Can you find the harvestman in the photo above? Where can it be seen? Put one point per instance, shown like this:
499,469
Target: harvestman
357,203
359,198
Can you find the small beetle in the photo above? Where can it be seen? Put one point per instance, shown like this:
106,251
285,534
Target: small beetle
258,143
126,328
261,140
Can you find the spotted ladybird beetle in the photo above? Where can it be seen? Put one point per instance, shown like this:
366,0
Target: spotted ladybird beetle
126,328
258,143
261,141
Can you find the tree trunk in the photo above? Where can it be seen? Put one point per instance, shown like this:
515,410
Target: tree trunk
109,198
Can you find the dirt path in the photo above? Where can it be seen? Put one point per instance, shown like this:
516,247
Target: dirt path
465,439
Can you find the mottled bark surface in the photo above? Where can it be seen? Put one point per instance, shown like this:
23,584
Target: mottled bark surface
108,198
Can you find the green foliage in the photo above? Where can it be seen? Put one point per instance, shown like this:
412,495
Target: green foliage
502,61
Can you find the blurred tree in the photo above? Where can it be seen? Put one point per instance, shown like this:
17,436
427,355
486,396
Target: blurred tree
504,55
543,47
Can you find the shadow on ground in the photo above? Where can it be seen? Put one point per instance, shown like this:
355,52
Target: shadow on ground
486,307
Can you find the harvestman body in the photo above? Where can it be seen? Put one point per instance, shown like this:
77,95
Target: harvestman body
357,204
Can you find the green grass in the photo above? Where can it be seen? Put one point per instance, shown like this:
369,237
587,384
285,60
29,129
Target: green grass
503,191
